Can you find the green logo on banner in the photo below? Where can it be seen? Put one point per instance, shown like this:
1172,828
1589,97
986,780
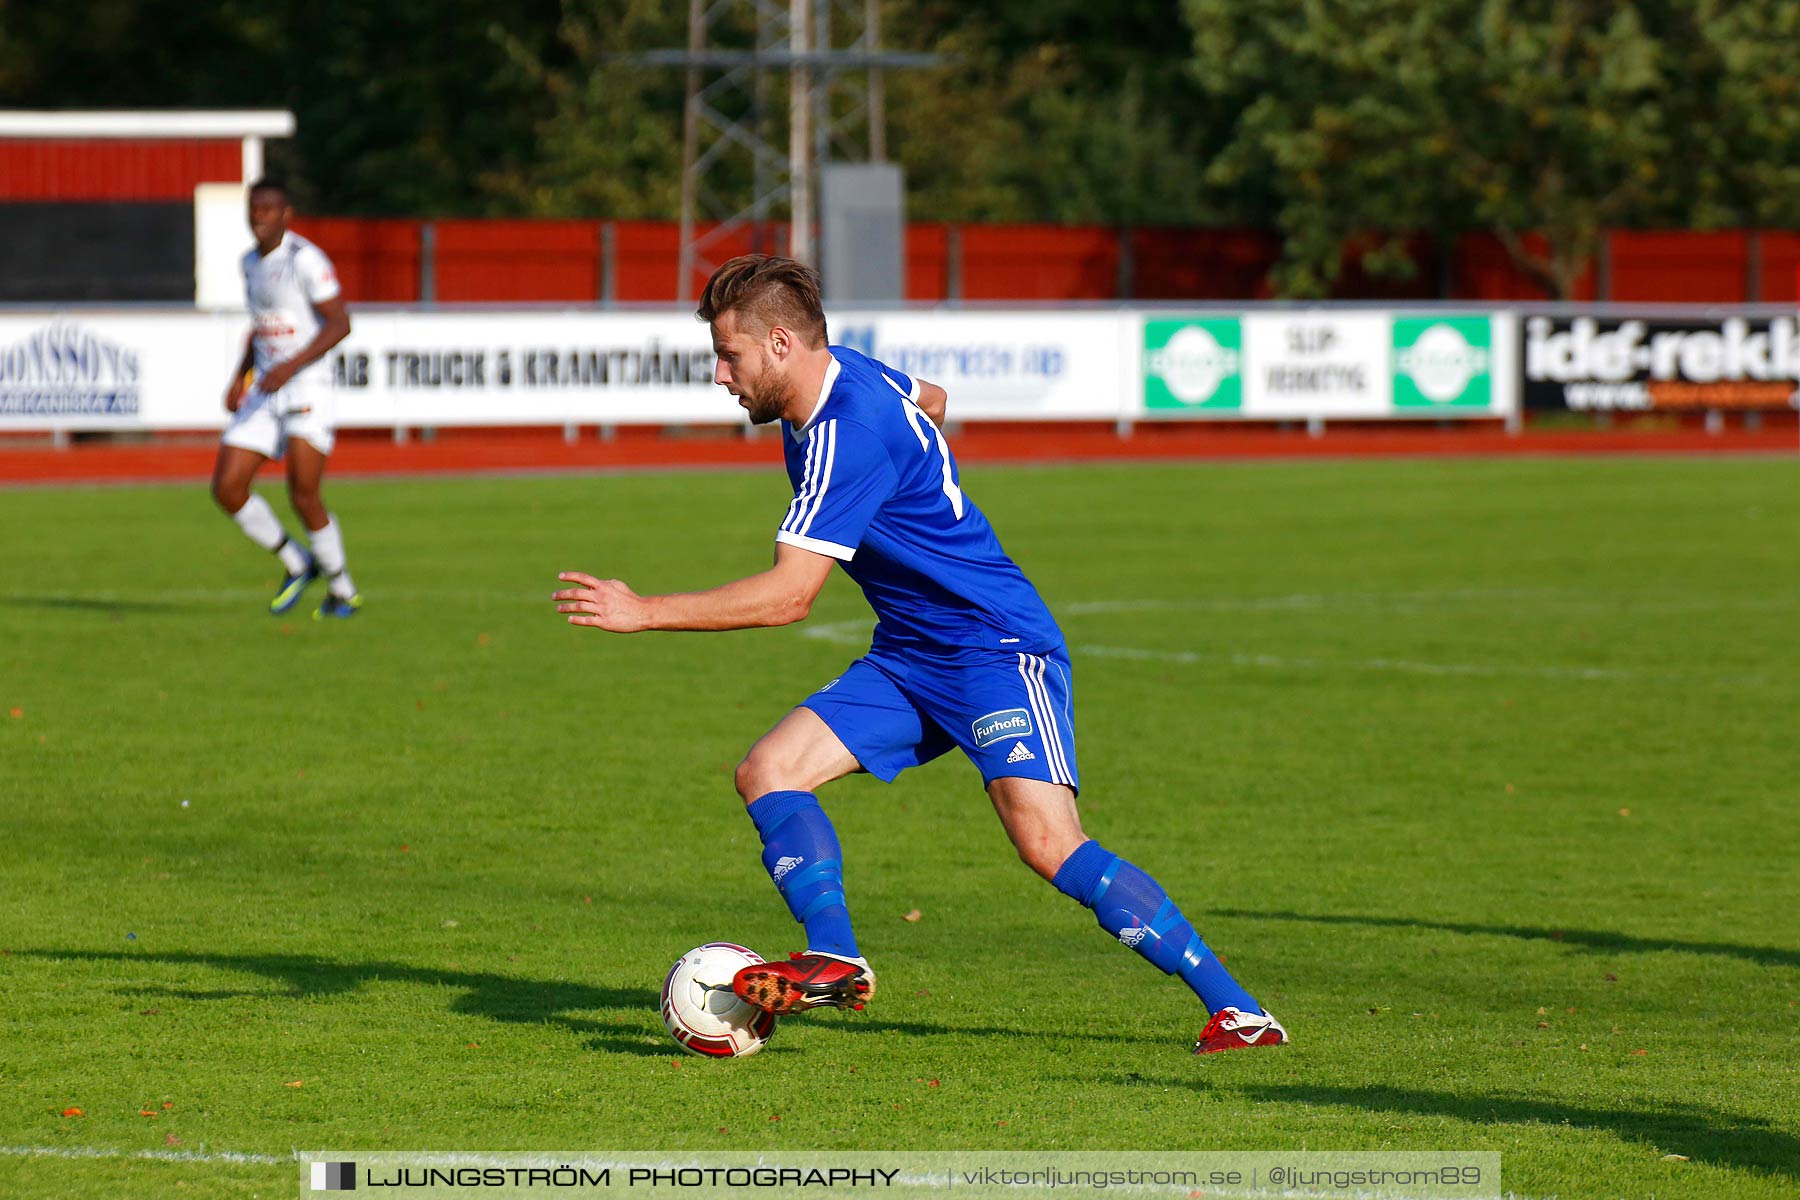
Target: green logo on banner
1194,364
1443,362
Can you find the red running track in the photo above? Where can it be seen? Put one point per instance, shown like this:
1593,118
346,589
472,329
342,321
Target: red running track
477,451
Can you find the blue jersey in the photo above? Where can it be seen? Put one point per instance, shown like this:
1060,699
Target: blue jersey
875,487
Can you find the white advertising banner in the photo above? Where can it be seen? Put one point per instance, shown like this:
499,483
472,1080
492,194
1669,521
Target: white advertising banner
1328,364
1316,364
92,370
513,368
168,370
1035,366
115,371
411,368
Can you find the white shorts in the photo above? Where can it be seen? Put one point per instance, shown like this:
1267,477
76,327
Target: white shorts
302,409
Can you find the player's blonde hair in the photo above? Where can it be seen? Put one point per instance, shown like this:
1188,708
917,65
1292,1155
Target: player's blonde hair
765,291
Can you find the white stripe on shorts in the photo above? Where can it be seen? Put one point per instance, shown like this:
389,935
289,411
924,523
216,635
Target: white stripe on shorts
1031,670
1062,751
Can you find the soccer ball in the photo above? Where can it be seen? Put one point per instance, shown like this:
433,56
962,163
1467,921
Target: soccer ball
701,1010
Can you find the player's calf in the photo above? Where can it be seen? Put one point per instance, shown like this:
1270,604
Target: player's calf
1133,907
801,854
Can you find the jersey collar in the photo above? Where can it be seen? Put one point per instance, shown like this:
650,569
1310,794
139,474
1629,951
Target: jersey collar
287,236
831,374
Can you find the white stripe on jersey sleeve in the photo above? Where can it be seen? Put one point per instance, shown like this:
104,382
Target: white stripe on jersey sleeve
827,431
918,430
817,545
807,482
912,395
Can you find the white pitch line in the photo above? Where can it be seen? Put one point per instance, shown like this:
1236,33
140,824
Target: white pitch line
1400,665
856,633
1391,602
1425,601
236,595
186,1156
1305,600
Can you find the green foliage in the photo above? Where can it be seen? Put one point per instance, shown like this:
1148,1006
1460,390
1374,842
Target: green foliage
1751,117
1043,112
1561,116
402,106
1480,774
1363,122
610,142
1053,111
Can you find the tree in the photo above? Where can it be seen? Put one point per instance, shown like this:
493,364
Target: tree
401,105
1054,110
1749,107
1051,110
1048,110
1439,116
609,142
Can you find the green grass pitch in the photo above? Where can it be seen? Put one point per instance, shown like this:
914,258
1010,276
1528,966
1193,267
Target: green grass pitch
1483,775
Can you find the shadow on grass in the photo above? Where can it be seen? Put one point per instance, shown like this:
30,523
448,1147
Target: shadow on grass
1047,1036
1707,1136
87,604
496,997
500,997
1598,941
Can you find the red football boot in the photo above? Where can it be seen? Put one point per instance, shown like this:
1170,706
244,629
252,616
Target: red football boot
806,980
1230,1029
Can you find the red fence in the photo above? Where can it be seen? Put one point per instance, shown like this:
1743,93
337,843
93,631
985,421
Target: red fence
412,260
583,262
377,260
1778,280
68,170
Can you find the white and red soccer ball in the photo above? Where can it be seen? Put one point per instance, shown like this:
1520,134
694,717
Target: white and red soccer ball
702,1012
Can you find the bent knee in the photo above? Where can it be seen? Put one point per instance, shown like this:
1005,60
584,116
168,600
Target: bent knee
230,496
1042,861
755,775
1045,854
764,770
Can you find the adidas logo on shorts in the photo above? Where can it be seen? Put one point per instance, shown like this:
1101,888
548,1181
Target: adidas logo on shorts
1020,753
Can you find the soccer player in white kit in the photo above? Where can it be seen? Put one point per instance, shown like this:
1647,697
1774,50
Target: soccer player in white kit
282,405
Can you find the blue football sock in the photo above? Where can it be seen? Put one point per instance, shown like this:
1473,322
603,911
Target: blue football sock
1133,908
801,854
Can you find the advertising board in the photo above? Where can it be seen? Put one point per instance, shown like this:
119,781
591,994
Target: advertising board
1323,364
1619,364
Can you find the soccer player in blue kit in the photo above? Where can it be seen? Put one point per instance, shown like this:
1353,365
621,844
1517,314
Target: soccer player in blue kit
965,653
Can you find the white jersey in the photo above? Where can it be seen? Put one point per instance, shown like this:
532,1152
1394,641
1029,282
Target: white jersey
282,287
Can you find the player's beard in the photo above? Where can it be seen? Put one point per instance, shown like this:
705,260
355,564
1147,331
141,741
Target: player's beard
772,396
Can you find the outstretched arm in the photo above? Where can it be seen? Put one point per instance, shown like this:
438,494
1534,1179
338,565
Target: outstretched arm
932,402
779,596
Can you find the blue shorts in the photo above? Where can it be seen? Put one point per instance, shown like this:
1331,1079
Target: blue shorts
1009,712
